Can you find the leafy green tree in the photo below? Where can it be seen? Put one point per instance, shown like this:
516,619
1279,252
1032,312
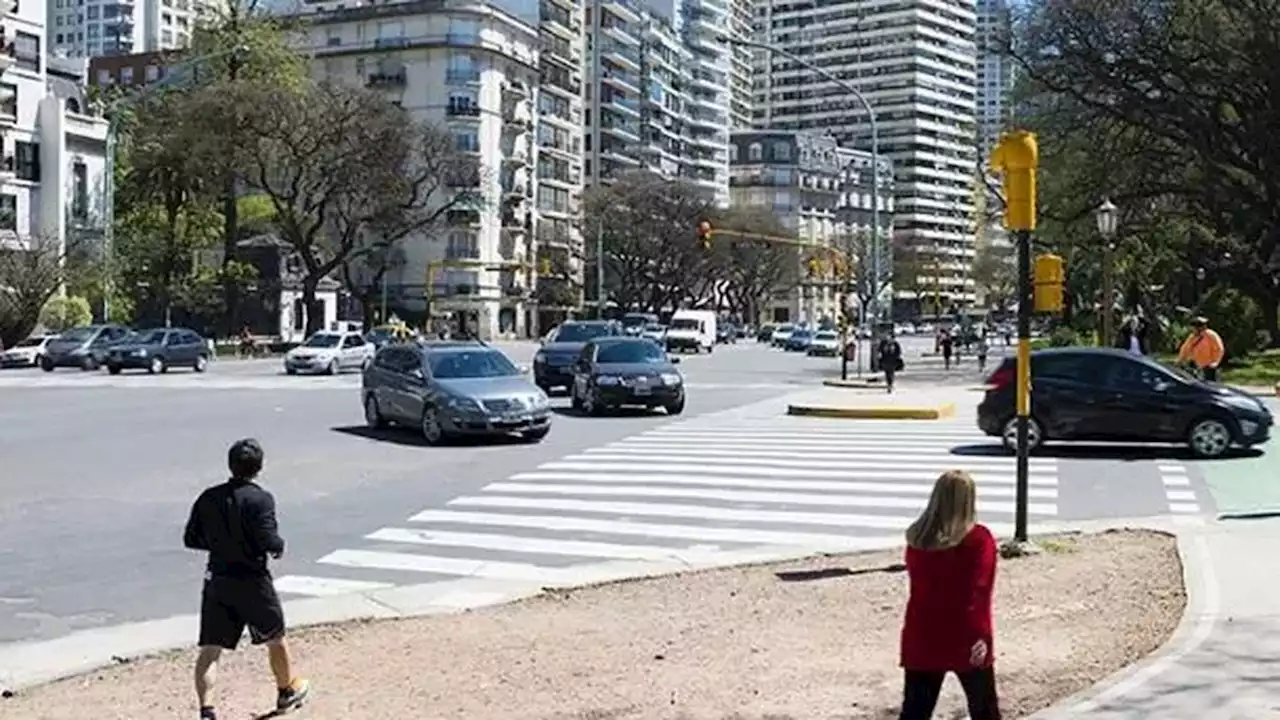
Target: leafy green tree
65,312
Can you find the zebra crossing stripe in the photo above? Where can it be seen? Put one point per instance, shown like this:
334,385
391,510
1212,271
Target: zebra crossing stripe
324,587
852,460
642,472
919,488
416,563
540,546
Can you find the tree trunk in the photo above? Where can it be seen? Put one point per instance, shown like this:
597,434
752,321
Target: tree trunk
315,320
367,309
1267,304
230,233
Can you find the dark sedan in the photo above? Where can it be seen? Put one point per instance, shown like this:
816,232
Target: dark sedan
799,340
1102,394
553,364
613,372
83,347
158,350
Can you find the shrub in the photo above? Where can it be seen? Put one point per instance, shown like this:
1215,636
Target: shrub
1064,337
63,313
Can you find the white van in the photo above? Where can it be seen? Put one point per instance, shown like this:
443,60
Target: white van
692,330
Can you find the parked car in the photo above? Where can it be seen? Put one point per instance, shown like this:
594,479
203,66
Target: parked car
781,334
764,334
633,324
655,332
799,340
83,347
158,350
330,353
26,353
613,372
825,343
553,364
450,390
1112,395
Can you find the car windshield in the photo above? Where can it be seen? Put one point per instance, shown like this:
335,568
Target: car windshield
323,340
580,332
148,337
1178,372
825,336
29,342
636,352
478,364
79,334
685,324
800,334
654,327
784,328
634,320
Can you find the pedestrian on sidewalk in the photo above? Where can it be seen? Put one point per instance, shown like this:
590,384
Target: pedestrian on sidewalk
889,356
1203,348
983,347
947,343
951,569
235,522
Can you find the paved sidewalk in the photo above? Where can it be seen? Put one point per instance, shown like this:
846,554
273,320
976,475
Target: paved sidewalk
1222,662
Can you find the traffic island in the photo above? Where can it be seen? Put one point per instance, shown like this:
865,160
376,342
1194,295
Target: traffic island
811,638
871,382
900,405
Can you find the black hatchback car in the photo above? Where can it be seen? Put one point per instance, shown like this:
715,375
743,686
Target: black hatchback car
1102,394
617,371
553,364
159,349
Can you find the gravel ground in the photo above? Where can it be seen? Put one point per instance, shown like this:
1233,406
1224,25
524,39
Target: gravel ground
812,639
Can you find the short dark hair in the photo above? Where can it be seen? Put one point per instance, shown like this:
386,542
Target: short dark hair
244,459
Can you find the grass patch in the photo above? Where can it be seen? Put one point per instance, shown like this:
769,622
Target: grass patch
1261,368
1057,546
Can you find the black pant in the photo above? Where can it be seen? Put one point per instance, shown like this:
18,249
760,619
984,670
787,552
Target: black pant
1210,374
229,604
921,689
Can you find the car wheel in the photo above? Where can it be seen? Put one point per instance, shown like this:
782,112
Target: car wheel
373,414
290,371
156,365
1209,437
1009,434
333,367
535,436
46,364
676,407
710,349
432,431
201,364
89,363
37,361
114,369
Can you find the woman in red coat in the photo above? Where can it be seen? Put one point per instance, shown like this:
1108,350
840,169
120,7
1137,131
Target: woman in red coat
951,563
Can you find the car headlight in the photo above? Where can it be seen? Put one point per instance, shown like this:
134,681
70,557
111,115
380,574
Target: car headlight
140,352
608,380
461,403
539,358
671,378
540,401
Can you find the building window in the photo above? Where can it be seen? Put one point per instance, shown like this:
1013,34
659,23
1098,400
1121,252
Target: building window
26,160
462,68
104,77
466,141
73,105
126,75
26,51
781,151
733,153
79,192
8,212
153,73
92,12
463,245
9,103
464,103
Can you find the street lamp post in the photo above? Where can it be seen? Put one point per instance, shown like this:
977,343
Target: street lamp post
109,185
1106,215
876,250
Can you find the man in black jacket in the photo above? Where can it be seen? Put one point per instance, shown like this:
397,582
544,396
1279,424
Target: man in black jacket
235,522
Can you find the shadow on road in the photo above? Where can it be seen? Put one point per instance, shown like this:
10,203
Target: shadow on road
1127,453
410,438
616,414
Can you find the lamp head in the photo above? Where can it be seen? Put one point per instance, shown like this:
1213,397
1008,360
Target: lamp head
1106,215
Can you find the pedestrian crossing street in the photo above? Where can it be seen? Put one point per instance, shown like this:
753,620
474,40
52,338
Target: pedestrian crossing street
696,489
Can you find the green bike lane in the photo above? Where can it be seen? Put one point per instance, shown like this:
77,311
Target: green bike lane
1250,485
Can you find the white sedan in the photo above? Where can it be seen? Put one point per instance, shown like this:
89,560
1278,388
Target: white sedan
825,343
655,332
330,353
26,353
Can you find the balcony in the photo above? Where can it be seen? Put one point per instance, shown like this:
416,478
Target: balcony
388,79
622,80
514,221
7,172
462,110
621,33
515,192
467,217
462,253
628,132
621,54
518,157
622,104
516,115
7,54
624,10
514,89
455,76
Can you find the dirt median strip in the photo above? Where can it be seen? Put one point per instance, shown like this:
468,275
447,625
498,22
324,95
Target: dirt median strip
811,639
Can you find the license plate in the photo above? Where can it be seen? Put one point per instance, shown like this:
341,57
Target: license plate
516,418
643,391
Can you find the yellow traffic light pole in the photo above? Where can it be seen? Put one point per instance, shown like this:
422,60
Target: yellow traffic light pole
1017,156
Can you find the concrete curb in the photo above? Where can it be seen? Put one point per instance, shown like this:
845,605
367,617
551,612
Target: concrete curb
868,384
936,412
24,665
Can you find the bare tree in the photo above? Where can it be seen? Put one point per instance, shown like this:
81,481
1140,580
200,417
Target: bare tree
752,268
31,272
350,174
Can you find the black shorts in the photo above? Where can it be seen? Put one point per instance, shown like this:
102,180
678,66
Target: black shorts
230,604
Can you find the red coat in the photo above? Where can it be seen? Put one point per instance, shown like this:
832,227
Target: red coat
949,608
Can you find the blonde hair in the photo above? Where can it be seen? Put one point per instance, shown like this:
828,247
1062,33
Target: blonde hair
949,516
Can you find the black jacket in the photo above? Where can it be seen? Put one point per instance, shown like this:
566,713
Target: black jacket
1122,340
235,522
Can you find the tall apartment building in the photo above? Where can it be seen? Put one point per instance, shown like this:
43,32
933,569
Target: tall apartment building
995,73
822,193
654,102
474,69
90,28
53,147
916,63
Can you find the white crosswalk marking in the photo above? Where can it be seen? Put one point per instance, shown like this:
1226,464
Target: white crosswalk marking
697,490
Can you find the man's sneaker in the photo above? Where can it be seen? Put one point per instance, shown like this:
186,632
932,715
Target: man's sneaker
294,695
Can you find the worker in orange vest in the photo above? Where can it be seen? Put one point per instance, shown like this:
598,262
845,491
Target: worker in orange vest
1203,348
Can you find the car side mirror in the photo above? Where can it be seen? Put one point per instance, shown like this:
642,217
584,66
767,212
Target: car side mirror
673,360
416,374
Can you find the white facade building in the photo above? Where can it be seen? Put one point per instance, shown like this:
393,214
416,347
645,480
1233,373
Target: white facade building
995,74
51,176
92,28
473,68
661,104
916,63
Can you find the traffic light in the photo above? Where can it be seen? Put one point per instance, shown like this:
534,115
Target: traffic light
1017,157
704,234
1049,278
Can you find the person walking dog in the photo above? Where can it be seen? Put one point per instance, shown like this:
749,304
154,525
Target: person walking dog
235,522
951,568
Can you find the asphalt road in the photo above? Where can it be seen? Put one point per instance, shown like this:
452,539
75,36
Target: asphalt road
97,474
